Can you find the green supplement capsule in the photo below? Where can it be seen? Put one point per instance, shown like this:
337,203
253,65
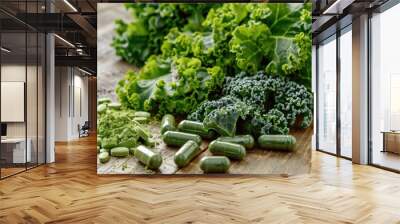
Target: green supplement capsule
104,150
114,106
120,152
230,150
167,123
215,164
101,108
246,140
98,141
277,142
109,143
104,157
150,159
132,151
149,142
103,101
186,153
141,120
175,138
194,127
142,114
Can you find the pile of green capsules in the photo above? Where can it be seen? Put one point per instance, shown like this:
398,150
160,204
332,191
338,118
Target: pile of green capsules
124,132
188,136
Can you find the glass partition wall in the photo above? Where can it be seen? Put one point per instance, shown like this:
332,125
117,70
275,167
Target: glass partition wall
385,89
326,140
334,93
345,91
22,77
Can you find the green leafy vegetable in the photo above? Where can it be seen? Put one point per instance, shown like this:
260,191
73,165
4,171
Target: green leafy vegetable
137,40
177,86
258,104
194,54
252,37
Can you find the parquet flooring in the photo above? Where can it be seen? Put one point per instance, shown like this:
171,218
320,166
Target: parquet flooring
69,191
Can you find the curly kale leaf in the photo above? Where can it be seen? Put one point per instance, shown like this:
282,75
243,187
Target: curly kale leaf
175,89
249,43
295,101
273,122
289,51
136,40
252,37
221,115
187,44
267,92
258,104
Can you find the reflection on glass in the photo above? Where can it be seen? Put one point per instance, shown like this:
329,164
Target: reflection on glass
23,85
14,153
346,94
41,99
31,97
385,114
327,96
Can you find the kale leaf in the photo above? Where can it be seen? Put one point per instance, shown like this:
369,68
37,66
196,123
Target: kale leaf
136,40
169,86
258,104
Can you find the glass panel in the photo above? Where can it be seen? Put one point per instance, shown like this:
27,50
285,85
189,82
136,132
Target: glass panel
327,96
32,88
32,98
41,99
385,84
346,94
13,86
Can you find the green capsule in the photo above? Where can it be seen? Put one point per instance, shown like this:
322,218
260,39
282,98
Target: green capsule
215,164
277,142
197,128
175,138
167,123
186,153
230,150
120,152
150,159
104,157
103,101
246,140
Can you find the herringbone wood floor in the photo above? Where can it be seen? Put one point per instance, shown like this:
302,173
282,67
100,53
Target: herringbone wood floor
69,191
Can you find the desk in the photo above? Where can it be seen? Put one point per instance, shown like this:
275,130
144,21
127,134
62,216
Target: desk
391,141
16,147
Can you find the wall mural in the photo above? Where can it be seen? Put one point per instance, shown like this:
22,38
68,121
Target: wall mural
204,88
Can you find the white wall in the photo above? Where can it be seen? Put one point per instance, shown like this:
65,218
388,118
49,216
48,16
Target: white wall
12,73
33,126
70,83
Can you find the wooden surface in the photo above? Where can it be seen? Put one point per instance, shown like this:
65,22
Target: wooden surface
70,191
256,161
110,67
391,142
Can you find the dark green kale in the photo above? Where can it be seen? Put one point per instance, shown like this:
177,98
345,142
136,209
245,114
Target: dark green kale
258,104
136,40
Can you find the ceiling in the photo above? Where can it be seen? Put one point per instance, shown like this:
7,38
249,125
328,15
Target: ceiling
74,22
332,15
